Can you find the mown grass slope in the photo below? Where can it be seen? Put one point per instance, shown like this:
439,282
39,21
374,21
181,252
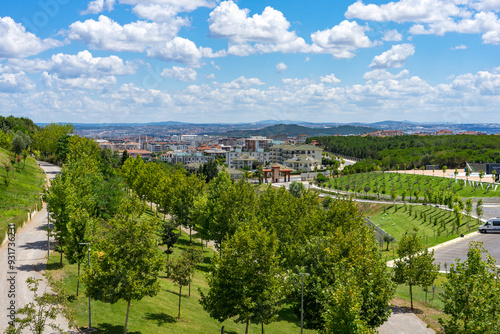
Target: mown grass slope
22,191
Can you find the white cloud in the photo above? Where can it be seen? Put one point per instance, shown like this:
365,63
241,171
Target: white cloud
15,82
179,49
16,42
281,67
165,10
395,57
486,5
392,36
72,66
97,6
378,75
215,65
405,11
296,82
242,83
331,79
180,73
53,81
106,34
342,40
269,30
459,47
483,82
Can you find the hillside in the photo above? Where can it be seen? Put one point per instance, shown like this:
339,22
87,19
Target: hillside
21,193
295,130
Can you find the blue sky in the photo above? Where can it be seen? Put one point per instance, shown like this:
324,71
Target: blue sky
207,61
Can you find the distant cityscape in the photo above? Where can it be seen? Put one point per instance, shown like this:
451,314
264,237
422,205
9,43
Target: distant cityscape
262,143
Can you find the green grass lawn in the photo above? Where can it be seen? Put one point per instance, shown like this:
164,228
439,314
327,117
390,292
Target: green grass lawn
22,192
158,314
434,225
383,183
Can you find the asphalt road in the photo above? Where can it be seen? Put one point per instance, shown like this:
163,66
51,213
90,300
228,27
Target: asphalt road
31,259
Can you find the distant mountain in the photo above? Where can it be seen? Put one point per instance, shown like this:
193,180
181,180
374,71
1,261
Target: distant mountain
295,130
275,122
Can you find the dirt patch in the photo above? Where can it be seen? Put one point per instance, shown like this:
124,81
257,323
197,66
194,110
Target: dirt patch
370,209
427,314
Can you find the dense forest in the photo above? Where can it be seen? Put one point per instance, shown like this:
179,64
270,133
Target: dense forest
414,151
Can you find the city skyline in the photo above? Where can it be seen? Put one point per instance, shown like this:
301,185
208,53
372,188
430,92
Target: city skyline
204,61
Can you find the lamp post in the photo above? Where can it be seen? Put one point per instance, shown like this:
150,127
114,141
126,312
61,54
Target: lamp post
302,304
88,263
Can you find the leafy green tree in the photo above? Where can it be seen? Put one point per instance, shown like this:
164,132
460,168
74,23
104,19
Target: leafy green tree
38,313
168,236
227,206
481,175
124,251
493,175
194,256
296,188
415,264
479,209
124,157
343,301
180,271
444,169
20,142
468,208
185,192
208,170
47,138
471,294
245,282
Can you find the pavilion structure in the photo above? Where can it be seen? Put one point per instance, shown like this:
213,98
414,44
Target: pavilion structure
275,172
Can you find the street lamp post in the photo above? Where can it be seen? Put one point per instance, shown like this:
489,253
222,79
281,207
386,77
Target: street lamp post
302,304
88,263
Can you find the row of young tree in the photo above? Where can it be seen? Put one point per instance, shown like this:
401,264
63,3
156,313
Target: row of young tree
266,240
413,151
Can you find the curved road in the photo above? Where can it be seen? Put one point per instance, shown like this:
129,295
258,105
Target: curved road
31,260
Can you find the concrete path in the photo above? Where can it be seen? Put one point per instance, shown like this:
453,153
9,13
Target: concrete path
403,321
30,253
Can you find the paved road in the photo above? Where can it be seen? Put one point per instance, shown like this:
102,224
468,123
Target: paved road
458,249
31,260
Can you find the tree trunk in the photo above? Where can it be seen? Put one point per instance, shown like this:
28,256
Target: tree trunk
189,294
411,297
179,314
246,329
126,318
190,239
78,282
262,326
61,251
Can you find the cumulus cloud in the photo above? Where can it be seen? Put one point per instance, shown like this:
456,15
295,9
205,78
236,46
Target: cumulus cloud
15,82
106,34
395,57
53,81
459,47
436,17
97,6
392,36
405,11
295,81
342,40
16,42
179,49
180,73
266,32
281,67
242,82
165,10
331,79
72,66
385,75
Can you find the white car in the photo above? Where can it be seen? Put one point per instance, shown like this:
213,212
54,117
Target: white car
492,225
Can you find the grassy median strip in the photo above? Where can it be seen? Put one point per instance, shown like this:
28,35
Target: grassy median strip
21,193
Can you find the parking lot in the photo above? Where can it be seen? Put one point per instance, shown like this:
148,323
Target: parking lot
448,254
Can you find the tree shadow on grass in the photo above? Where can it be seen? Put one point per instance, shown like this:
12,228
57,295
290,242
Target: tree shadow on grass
105,328
160,318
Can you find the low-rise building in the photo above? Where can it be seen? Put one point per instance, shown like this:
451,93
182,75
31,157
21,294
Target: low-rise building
303,162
